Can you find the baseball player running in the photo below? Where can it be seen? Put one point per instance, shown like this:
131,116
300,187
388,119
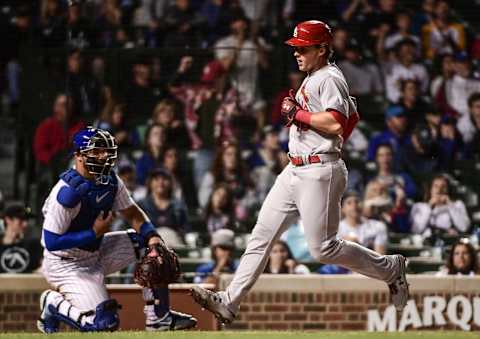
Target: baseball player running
80,252
321,117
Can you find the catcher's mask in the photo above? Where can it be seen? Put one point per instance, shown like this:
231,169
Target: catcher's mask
99,149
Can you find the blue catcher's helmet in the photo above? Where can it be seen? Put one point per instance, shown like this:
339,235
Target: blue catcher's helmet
99,149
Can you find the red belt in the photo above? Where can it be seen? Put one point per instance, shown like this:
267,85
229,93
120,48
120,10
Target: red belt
301,160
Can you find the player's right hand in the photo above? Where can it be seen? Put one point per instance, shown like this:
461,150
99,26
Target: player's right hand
102,223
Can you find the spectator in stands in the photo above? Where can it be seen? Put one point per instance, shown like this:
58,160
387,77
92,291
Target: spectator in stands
202,103
149,11
459,88
53,32
449,143
166,114
217,14
182,25
441,35
387,43
438,88
19,253
404,68
58,27
174,164
420,155
438,211
242,55
422,16
112,119
140,96
81,33
228,168
149,22
222,246
389,177
126,172
354,227
108,23
52,139
469,126
380,21
267,161
432,120
462,260
51,144
84,89
341,38
220,211
354,13
281,261
414,105
395,134
153,150
378,204
168,214
363,77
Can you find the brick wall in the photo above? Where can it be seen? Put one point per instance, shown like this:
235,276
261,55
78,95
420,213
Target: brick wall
20,295
318,311
19,311
340,304
276,302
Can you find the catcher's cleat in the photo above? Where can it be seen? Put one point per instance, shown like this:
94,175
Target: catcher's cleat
399,292
212,302
47,323
172,321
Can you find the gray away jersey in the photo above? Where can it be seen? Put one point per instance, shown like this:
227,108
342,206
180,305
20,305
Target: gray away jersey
323,89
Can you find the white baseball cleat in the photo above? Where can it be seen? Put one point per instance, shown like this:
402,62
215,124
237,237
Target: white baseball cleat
213,302
399,288
47,323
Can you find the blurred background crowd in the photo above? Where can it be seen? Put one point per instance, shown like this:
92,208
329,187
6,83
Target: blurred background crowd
191,90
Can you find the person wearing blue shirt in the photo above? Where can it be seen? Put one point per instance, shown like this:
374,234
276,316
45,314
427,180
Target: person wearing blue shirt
395,134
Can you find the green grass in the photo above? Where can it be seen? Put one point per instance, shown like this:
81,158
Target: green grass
247,335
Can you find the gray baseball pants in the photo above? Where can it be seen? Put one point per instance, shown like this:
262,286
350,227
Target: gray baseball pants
314,193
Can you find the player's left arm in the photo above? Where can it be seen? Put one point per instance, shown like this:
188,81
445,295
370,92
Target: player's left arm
134,215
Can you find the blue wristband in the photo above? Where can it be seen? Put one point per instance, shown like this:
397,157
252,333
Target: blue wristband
147,230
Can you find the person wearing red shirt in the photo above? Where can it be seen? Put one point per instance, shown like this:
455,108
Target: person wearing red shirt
51,142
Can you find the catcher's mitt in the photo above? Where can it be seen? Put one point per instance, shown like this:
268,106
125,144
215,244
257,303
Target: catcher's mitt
157,269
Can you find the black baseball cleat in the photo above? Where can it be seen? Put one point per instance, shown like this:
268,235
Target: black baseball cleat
212,302
173,321
399,291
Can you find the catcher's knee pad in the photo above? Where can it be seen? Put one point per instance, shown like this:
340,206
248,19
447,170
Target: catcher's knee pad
325,253
106,316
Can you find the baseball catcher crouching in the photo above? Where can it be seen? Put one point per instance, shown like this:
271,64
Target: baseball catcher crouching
80,250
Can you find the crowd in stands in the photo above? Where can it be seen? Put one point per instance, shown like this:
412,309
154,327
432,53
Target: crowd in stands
201,139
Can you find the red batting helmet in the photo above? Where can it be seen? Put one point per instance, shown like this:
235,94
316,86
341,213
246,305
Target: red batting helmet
309,33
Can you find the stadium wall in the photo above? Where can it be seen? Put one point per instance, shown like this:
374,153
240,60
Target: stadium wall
353,302
20,294
286,302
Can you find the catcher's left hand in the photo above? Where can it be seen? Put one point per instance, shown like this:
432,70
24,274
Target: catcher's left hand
159,267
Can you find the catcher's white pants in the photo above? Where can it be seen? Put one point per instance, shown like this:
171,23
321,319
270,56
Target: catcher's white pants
314,193
81,279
